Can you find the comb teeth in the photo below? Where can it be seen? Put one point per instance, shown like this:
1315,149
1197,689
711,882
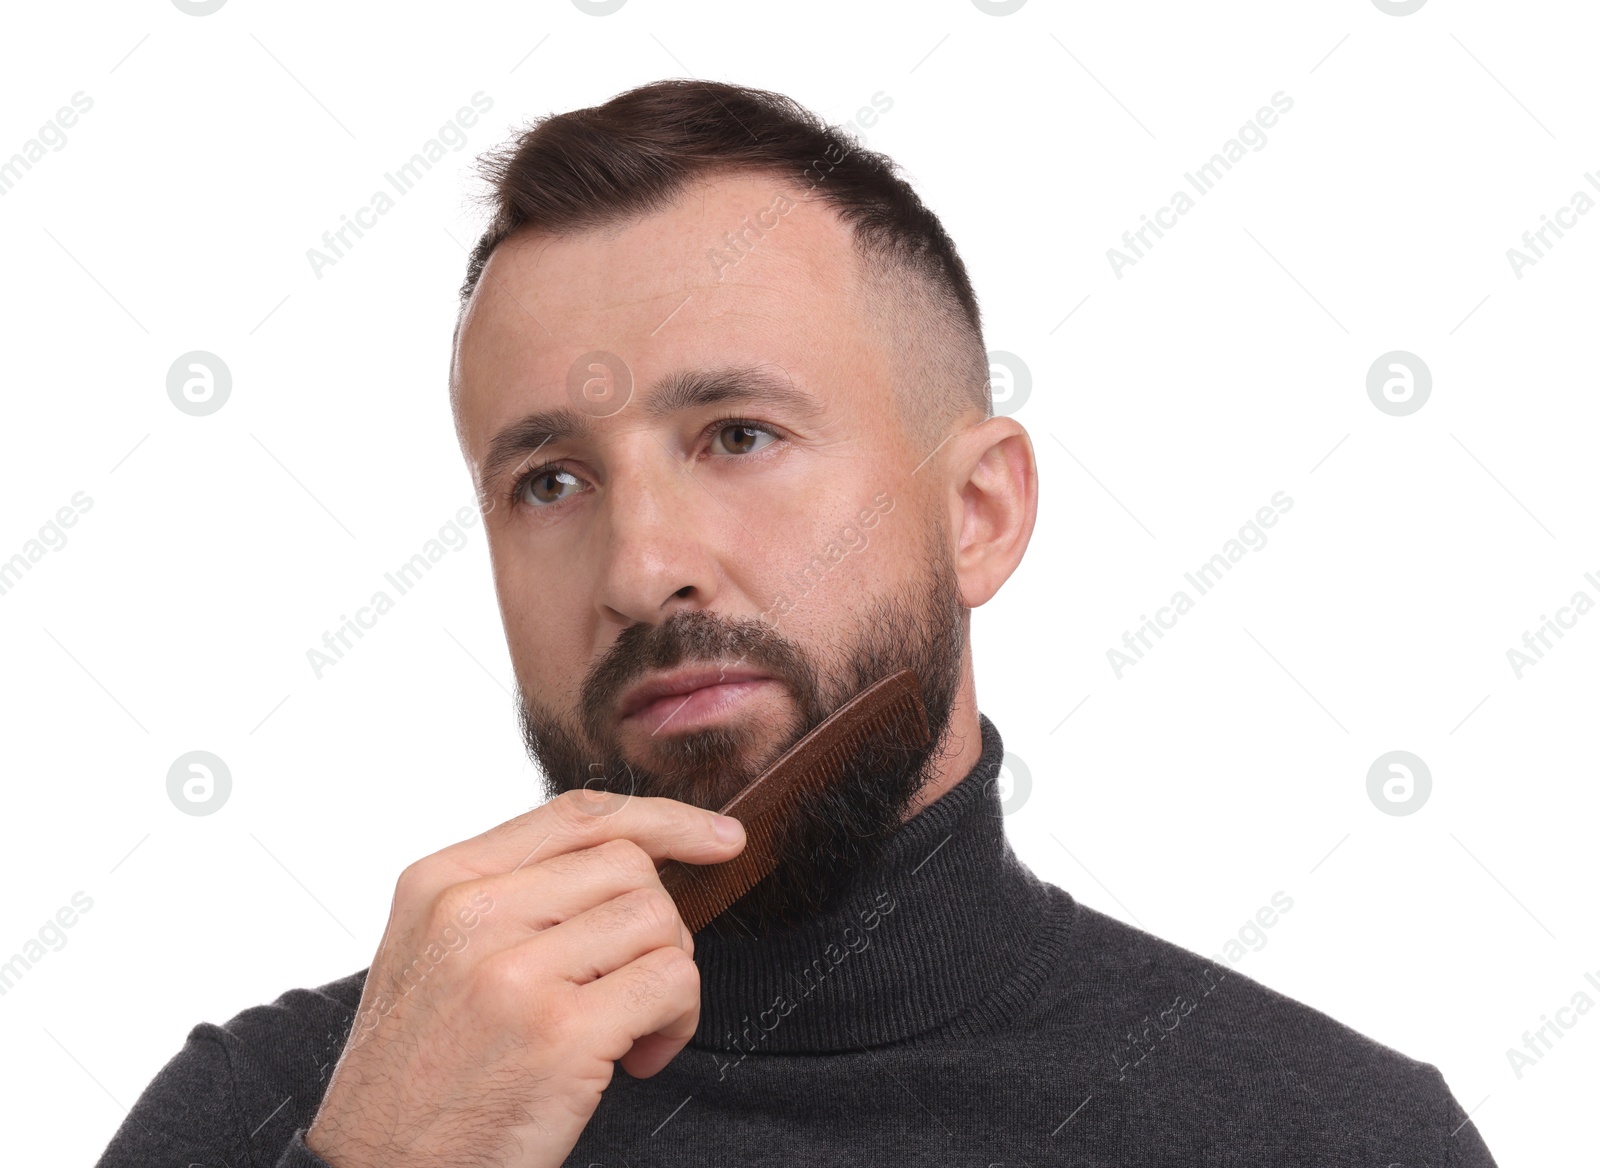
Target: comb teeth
892,705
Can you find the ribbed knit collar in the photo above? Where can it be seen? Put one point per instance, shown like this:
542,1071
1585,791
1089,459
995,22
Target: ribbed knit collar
947,925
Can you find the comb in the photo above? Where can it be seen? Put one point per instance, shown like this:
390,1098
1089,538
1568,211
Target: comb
890,706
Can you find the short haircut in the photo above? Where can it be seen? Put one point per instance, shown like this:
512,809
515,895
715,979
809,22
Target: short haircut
591,168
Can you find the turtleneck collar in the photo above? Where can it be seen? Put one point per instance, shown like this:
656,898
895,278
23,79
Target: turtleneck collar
948,925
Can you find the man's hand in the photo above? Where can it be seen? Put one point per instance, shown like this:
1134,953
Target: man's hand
517,967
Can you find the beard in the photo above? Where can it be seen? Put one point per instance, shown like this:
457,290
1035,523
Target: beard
829,836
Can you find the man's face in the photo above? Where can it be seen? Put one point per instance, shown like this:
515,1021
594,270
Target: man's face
716,529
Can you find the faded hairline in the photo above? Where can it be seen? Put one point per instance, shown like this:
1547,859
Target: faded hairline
940,366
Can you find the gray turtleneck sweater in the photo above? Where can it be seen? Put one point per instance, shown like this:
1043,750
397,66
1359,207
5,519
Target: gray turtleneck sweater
956,1010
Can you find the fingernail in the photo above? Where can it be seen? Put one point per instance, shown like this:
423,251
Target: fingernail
726,828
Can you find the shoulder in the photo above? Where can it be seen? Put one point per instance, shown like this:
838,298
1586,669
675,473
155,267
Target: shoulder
293,1012
290,1043
1177,1022
1133,973
240,1089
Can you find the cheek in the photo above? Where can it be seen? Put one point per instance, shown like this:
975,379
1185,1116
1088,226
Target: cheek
836,571
542,629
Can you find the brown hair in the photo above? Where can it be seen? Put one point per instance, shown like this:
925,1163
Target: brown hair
588,168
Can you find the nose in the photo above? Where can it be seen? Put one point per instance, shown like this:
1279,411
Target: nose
656,556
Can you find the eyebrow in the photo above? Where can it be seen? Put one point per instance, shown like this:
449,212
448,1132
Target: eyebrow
679,392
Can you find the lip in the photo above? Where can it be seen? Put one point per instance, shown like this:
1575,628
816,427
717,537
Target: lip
681,683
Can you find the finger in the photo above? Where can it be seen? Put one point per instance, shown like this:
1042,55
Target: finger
541,896
664,828
650,1008
603,939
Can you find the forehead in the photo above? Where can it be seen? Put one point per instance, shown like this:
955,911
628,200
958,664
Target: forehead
740,270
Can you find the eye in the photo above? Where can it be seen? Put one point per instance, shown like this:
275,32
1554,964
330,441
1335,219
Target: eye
544,487
742,437
547,486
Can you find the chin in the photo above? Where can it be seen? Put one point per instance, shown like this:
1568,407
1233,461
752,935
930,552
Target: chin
703,767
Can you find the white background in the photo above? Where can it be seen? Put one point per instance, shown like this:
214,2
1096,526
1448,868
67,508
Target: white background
1167,405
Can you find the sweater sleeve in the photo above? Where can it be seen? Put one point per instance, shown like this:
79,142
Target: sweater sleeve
190,1115
187,1115
242,1094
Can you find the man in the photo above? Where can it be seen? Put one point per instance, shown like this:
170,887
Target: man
720,379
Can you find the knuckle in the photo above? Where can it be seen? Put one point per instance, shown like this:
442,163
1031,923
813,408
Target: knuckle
653,910
580,811
670,975
499,981
456,905
676,965
636,911
415,883
549,1019
647,987
507,990
628,860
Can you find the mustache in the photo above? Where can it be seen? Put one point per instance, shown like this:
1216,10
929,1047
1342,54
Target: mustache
687,637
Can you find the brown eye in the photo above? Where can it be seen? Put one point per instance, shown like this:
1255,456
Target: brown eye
544,489
738,438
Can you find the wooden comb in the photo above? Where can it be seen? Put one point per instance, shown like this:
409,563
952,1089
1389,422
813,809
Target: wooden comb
891,706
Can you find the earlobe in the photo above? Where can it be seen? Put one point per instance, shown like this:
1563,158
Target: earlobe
994,506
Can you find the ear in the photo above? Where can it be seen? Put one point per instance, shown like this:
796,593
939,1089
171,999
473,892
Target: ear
994,499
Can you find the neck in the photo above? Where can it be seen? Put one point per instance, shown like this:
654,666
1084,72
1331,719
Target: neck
958,749
944,926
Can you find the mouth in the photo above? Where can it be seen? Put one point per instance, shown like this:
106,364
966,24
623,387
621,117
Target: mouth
692,697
